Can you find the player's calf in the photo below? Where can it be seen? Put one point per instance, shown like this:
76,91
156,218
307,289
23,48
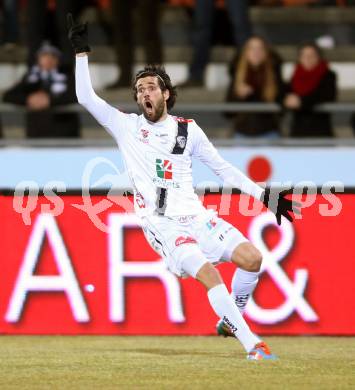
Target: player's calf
248,259
223,305
209,276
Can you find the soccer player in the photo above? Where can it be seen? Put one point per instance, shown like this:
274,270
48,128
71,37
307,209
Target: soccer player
157,149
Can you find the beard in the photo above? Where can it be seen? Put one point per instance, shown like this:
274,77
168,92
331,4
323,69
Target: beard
152,112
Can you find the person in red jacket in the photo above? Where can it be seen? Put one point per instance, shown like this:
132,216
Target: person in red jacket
312,83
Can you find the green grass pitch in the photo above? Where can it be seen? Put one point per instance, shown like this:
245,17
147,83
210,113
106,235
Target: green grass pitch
117,362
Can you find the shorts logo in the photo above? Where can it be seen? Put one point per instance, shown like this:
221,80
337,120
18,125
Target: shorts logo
211,224
184,240
164,169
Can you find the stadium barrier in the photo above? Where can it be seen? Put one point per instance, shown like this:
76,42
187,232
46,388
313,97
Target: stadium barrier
62,275
83,164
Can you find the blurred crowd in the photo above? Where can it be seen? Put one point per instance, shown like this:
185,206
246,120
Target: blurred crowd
255,71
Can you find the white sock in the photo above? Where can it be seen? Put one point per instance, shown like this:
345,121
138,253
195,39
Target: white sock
224,307
243,285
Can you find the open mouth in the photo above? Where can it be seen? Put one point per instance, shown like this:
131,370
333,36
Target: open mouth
149,107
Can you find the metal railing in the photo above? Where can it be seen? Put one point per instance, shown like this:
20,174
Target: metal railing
332,108
196,107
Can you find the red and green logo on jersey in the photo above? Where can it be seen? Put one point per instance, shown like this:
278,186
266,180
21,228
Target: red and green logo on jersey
164,168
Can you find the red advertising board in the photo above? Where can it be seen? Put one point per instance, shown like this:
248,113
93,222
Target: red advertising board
60,274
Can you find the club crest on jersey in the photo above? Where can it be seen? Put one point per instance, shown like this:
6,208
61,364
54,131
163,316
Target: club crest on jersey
164,169
184,240
145,133
143,136
181,141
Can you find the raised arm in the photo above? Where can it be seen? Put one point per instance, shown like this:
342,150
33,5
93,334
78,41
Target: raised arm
101,110
276,201
207,153
86,95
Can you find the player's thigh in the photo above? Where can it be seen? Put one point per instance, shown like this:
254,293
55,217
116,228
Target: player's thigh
188,260
218,238
152,231
176,245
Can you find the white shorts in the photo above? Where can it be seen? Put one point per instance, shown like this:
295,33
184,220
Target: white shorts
186,243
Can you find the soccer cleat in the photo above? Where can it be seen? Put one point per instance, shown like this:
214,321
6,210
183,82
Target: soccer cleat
223,329
261,352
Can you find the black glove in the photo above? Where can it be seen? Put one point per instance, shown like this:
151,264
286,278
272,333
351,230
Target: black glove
78,35
279,205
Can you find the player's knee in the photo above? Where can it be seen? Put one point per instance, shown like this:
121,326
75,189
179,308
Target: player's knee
247,257
209,276
253,261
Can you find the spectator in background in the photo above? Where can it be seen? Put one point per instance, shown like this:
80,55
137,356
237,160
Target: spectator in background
46,20
123,26
202,34
10,23
256,78
42,88
352,123
312,83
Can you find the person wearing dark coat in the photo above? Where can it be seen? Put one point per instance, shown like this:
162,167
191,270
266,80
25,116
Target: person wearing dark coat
312,83
204,12
256,78
42,88
46,21
123,13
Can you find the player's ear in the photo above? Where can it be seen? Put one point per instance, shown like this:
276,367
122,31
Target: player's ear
166,94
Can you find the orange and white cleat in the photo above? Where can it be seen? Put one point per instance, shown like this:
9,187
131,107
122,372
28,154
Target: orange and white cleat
261,352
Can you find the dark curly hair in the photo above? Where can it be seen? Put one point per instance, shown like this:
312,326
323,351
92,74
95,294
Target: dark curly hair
163,80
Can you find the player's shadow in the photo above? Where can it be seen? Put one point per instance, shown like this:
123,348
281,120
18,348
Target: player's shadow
181,352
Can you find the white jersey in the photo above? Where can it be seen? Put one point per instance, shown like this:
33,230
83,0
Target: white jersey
158,156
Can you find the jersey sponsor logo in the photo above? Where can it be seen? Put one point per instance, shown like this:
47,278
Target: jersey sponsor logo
165,183
164,169
181,141
184,240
